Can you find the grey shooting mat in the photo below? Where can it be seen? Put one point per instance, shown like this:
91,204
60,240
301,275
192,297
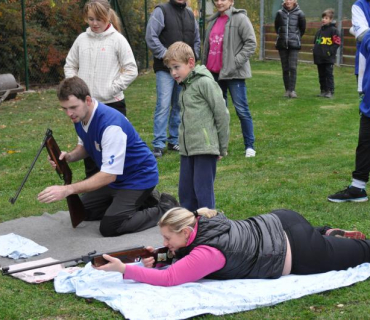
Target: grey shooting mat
55,232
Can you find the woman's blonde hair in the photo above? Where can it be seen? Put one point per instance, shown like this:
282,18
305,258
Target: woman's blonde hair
102,11
177,219
178,51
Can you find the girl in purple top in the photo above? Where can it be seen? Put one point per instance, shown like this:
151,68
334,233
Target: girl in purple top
207,244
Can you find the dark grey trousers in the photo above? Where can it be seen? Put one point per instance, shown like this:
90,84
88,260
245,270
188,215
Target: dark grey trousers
121,210
289,62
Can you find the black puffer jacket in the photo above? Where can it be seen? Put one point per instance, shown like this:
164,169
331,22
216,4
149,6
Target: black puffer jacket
290,27
254,248
327,41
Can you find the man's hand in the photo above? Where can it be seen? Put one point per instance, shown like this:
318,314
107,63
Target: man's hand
53,193
63,155
114,264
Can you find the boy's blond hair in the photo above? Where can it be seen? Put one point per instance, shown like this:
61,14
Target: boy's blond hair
178,51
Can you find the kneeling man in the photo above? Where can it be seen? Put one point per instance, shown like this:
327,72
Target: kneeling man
121,193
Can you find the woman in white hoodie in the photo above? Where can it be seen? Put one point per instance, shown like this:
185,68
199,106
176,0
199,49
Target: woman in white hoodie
103,58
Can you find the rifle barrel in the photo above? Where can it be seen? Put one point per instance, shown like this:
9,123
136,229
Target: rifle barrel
5,270
14,199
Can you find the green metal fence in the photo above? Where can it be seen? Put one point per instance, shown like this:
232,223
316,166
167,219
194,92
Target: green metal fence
35,36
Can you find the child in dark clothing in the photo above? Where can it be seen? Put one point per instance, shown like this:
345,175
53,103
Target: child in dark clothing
327,41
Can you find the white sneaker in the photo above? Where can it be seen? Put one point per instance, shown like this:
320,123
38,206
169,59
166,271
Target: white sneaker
250,153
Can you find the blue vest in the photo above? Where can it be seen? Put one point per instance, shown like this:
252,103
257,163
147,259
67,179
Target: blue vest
365,7
140,170
365,51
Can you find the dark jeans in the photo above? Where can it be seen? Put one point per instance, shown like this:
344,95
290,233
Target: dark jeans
90,166
197,176
363,151
326,77
120,211
313,252
289,62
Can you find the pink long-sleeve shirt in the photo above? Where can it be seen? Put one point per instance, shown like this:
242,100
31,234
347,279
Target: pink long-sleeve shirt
201,261
216,40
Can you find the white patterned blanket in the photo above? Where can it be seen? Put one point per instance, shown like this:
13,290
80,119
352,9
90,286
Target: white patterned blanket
142,301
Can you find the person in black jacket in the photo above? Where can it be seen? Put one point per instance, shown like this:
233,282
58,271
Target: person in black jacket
290,26
208,244
326,43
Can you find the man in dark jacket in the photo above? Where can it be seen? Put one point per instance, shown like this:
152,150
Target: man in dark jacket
290,26
169,22
326,42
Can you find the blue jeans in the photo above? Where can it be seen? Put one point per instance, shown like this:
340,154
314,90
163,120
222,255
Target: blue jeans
238,92
167,94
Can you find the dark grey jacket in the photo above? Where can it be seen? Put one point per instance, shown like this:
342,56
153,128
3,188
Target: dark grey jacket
254,248
290,27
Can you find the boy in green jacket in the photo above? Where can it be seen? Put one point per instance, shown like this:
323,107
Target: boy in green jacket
204,127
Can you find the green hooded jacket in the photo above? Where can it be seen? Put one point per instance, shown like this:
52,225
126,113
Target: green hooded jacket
204,127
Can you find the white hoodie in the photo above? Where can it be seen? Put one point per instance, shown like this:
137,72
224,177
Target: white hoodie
105,61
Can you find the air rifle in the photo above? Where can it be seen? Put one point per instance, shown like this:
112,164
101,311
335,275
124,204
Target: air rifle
161,255
75,206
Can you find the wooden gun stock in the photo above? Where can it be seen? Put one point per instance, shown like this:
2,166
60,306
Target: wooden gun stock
75,206
161,255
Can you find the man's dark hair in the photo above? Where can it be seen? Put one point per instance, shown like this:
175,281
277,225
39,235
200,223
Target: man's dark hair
74,86
328,13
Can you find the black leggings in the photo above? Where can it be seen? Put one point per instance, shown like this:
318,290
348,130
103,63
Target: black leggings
313,252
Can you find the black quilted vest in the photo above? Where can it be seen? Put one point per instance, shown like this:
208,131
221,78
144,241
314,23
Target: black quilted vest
254,248
179,25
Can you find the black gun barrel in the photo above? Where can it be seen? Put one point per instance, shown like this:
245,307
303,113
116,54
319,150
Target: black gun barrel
47,135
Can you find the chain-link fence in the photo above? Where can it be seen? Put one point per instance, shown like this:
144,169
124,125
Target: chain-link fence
36,35
313,10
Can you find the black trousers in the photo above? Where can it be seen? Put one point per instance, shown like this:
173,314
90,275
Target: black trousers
326,77
313,252
289,62
90,166
121,211
363,151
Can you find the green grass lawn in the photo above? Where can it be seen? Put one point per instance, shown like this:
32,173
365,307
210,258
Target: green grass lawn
305,151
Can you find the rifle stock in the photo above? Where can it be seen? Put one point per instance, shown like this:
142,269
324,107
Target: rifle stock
75,206
162,255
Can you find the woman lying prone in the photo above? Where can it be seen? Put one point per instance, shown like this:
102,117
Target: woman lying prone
206,244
